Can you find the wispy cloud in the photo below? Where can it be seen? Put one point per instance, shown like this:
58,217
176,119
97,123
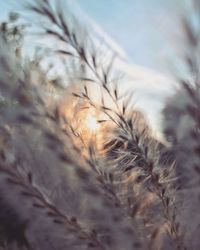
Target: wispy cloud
97,30
151,88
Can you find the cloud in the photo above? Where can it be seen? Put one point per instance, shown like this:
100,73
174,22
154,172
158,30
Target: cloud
151,88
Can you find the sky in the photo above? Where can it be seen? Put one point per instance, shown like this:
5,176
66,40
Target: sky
143,28
144,31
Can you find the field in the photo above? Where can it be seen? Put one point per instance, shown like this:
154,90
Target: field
80,167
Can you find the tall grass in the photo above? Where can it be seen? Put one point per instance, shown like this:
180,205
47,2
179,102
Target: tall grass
112,186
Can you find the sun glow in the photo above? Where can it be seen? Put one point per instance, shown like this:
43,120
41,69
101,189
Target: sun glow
92,123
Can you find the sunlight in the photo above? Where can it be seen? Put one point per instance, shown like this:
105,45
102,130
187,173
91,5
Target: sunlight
92,123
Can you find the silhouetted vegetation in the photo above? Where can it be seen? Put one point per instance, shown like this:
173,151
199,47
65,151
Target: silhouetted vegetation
79,167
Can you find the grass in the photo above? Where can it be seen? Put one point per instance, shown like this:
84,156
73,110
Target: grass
87,173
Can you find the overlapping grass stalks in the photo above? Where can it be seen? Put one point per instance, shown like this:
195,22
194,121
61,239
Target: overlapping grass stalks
61,189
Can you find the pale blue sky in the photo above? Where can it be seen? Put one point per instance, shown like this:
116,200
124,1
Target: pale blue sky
146,30
141,27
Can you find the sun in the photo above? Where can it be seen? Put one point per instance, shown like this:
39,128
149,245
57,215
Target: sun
92,123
